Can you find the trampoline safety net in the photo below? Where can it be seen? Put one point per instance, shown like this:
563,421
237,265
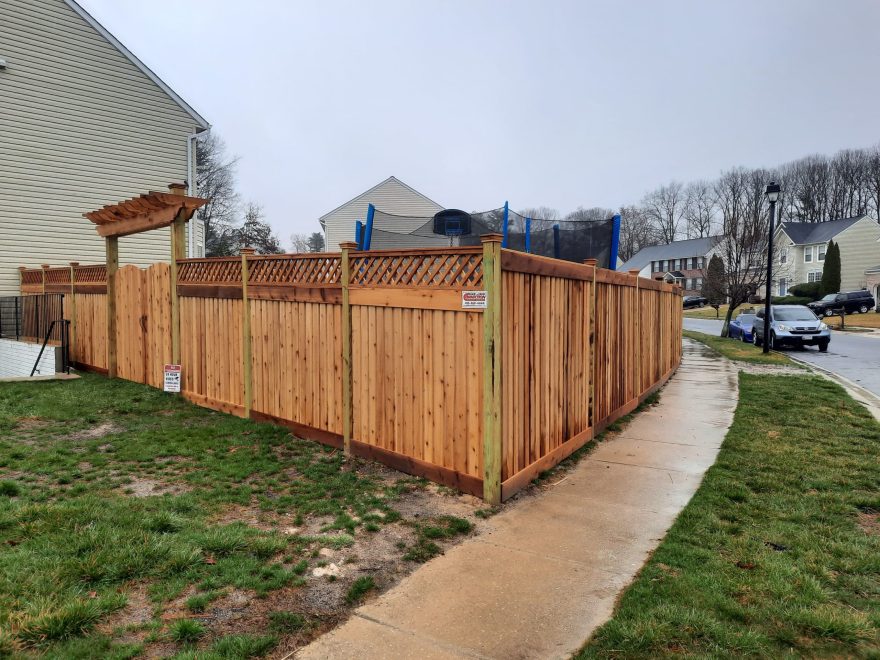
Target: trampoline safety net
572,240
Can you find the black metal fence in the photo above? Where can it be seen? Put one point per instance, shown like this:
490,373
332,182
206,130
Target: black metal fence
30,318
37,318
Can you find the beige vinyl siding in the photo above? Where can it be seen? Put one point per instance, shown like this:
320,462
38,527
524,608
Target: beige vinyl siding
390,196
859,250
82,127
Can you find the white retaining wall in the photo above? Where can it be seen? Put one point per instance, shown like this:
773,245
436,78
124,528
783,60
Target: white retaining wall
17,359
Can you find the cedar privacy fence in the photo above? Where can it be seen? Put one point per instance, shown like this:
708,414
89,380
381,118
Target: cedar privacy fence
392,355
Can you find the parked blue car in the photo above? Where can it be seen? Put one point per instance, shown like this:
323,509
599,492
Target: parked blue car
741,327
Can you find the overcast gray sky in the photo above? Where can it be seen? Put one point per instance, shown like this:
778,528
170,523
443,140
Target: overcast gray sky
476,101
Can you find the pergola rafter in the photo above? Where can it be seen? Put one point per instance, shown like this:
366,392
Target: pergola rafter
153,210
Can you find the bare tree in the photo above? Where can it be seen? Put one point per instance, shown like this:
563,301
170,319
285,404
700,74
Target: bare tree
699,209
589,215
299,243
540,213
215,180
745,225
665,208
872,181
636,232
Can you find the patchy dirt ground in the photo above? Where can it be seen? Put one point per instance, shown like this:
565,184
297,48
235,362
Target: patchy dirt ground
336,561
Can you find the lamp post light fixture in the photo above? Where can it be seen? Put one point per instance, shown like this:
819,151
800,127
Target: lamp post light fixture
772,194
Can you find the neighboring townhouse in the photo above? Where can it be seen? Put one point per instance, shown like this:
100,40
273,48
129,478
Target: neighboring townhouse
390,196
83,123
872,281
679,262
800,252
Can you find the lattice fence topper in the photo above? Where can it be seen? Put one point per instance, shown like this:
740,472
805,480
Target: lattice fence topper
32,276
315,270
91,274
212,270
441,270
58,276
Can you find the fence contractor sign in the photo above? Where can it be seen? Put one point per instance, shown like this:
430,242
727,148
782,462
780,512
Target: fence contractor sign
172,378
474,299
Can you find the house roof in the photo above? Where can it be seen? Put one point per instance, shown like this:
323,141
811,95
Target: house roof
367,192
677,274
694,247
807,233
88,18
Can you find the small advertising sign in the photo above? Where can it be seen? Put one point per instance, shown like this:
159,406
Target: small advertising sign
172,378
474,299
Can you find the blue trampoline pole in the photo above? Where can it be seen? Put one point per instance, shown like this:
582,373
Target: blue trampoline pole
359,234
615,242
368,231
528,234
504,226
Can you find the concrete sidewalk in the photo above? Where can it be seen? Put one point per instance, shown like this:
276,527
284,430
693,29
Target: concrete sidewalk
550,569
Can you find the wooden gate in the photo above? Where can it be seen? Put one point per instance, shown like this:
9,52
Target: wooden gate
143,323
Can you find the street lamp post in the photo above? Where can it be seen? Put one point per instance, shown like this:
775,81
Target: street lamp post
772,193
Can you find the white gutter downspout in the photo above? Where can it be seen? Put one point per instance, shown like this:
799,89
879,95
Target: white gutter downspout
192,189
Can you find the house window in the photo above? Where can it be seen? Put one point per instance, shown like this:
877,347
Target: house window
783,287
688,284
814,276
665,265
821,250
783,256
699,286
808,254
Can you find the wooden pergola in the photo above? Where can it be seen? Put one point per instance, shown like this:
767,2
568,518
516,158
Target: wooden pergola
154,210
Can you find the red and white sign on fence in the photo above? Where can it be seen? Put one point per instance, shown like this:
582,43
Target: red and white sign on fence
474,299
172,378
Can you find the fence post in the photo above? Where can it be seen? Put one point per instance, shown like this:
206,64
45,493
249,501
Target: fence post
492,438
73,265
111,245
246,346
347,381
44,268
178,251
634,273
591,413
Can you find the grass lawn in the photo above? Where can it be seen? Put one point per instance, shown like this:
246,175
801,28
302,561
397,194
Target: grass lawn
734,349
869,320
110,489
708,312
778,553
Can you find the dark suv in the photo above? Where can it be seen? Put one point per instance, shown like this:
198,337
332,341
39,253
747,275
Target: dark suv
849,303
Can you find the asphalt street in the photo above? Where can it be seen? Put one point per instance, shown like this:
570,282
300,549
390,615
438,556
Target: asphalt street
853,356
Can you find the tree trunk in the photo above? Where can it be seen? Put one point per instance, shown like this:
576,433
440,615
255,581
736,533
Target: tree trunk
725,329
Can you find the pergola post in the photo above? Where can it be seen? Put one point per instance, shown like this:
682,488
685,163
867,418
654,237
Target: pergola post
178,251
111,245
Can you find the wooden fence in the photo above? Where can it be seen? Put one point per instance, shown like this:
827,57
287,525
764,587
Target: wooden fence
376,353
